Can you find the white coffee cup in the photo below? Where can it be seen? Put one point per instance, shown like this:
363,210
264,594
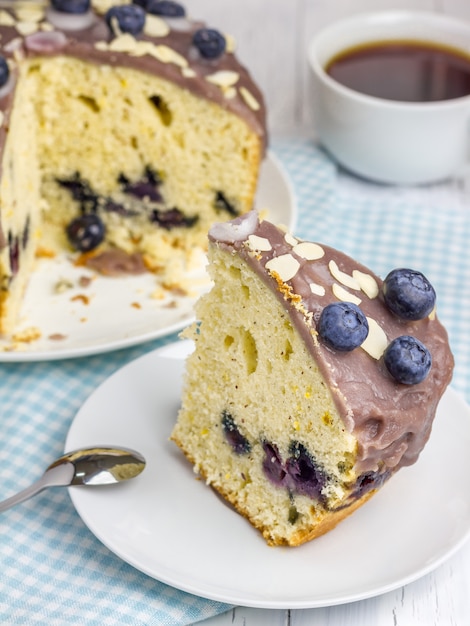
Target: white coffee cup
385,140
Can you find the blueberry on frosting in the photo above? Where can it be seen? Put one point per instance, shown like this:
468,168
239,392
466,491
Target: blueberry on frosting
165,8
343,326
210,43
407,360
130,18
409,294
71,6
4,71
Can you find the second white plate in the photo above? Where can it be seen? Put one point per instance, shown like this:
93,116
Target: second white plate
113,313
171,526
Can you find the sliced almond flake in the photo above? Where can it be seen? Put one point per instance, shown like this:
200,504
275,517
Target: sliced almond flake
122,43
155,26
342,277
230,43
27,335
308,250
316,289
6,19
249,99
285,266
367,283
46,27
142,48
290,239
376,341
165,54
260,244
188,72
18,53
102,6
344,295
432,315
27,28
30,13
224,78
101,45
229,92
114,26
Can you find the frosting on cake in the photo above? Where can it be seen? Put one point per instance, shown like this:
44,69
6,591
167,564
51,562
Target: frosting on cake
391,421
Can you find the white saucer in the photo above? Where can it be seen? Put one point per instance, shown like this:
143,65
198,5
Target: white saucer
113,313
171,526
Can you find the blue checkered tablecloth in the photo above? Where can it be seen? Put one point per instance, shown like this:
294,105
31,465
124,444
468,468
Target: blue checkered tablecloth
52,569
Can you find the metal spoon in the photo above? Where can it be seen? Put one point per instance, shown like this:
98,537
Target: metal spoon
91,466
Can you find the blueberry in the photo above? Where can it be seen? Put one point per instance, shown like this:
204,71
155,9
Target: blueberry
4,71
14,253
370,480
172,218
299,474
273,466
25,235
222,204
130,18
407,360
308,479
86,232
111,206
343,326
145,188
80,191
71,6
235,439
409,294
210,43
166,8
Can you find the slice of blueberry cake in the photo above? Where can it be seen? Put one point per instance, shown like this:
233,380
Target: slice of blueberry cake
126,130
312,381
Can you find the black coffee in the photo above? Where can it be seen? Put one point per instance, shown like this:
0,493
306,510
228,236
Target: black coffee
408,71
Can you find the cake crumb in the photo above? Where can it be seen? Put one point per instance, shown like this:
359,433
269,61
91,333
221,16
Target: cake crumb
62,285
57,337
45,253
28,335
85,281
80,297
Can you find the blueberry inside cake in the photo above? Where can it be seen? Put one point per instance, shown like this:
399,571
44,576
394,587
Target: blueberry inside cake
126,130
312,381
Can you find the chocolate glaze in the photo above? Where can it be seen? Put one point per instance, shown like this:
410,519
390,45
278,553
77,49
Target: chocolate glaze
391,421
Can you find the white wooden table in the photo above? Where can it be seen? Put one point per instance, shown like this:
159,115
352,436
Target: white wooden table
441,598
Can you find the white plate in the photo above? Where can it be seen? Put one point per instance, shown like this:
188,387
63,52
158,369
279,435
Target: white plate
174,528
113,313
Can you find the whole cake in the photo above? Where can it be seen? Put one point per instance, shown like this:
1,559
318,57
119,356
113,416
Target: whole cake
312,381
126,130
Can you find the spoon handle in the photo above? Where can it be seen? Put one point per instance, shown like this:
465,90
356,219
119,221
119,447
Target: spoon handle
59,476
